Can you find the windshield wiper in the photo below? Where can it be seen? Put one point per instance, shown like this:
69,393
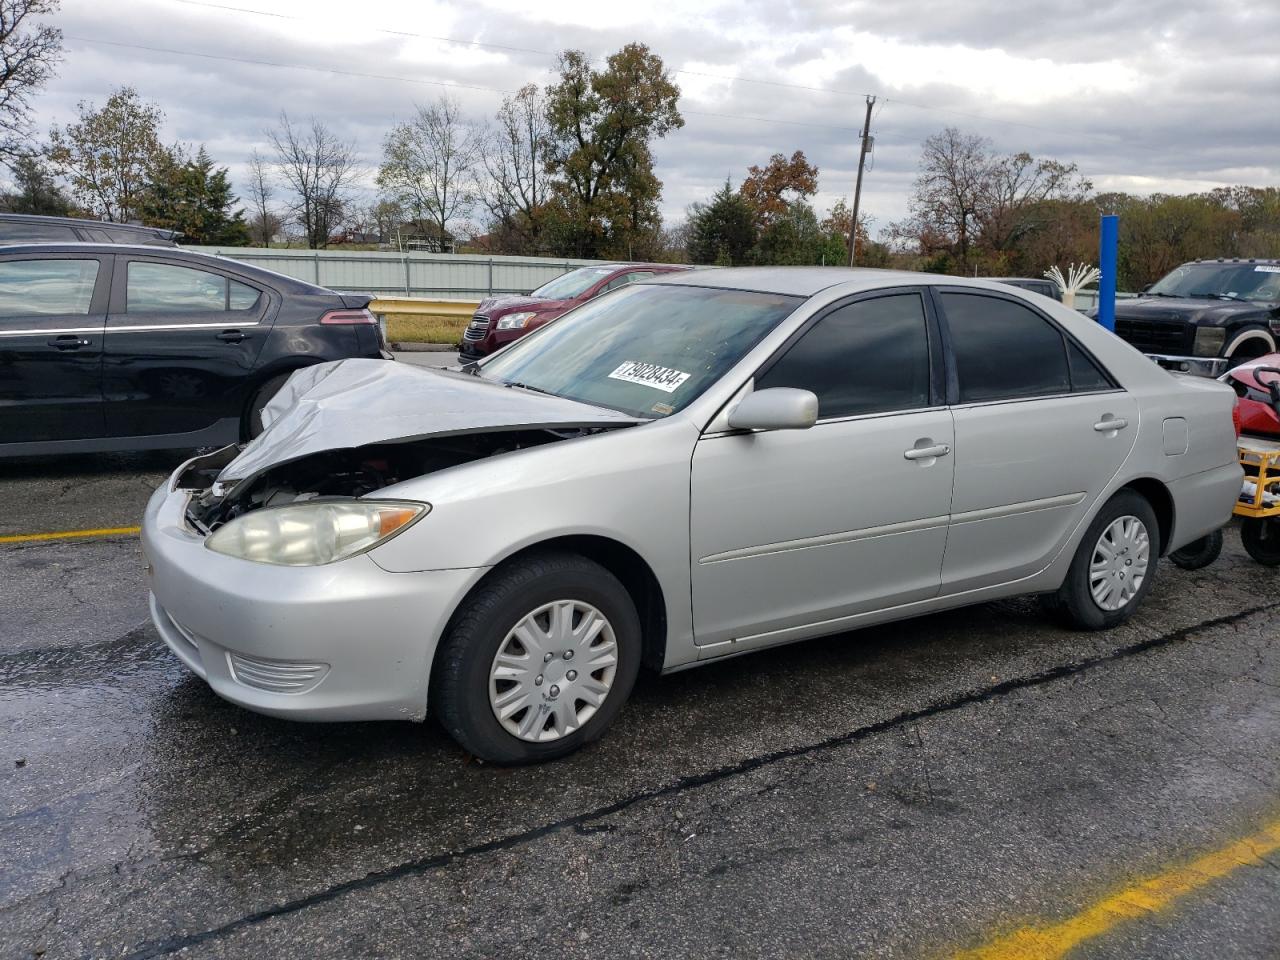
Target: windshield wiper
525,386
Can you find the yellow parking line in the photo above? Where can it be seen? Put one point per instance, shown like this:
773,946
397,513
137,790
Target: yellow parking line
1144,898
70,534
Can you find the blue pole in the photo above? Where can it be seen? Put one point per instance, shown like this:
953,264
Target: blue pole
1108,250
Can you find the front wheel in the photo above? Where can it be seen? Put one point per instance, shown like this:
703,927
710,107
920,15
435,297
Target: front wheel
1261,539
538,661
1113,567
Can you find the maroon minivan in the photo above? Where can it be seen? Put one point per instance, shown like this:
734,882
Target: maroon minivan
499,320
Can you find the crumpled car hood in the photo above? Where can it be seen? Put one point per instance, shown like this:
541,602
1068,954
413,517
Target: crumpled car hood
355,402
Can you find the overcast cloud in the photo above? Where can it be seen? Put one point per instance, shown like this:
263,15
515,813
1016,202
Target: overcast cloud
1144,96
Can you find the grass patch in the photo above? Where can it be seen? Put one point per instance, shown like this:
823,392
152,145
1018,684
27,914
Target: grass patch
415,328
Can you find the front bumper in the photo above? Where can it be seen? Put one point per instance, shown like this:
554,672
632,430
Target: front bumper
1213,367
344,641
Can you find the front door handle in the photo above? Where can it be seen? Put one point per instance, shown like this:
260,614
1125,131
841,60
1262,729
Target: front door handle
1110,424
231,336
927,453
68,342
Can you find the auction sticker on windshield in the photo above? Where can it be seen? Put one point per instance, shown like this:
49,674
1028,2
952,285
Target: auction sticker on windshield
650,375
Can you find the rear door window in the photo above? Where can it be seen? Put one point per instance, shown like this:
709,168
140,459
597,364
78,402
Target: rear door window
168,288
47,287
871,356
1004,350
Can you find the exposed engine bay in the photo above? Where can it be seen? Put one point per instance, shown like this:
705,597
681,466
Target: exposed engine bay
345,473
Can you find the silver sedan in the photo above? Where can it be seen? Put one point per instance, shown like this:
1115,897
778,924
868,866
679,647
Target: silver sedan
681,471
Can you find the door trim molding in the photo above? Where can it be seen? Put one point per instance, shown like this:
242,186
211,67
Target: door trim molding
1013,509
828,539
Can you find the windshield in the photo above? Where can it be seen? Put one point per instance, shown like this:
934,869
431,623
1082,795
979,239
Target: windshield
1230,281
572,284
647,350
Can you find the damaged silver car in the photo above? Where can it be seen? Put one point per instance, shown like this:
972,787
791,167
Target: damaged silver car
681,471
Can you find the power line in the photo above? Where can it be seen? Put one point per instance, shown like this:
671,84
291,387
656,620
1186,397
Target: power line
383,76
513,49
948,111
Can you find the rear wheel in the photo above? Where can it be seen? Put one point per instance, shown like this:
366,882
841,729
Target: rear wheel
253,416
1261,539
539,660
1198,553
1113,566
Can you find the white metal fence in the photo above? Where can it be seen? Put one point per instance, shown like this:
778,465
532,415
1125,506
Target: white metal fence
430,275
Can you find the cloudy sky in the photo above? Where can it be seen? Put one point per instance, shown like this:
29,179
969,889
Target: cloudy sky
1144,96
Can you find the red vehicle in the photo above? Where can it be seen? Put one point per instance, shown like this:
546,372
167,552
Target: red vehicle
499,320
1257,384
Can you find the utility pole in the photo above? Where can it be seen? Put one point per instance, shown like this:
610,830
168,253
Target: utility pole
857,190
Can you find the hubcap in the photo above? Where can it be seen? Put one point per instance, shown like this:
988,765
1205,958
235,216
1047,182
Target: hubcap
1119,565
553,671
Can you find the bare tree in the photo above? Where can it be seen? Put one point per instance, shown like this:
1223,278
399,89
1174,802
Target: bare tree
515,193
264,222
29,51
430,163
320,170
951,188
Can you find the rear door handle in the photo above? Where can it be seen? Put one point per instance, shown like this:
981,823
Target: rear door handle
1109,424
231,336
68,342
927,453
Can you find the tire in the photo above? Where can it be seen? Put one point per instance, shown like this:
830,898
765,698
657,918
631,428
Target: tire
1075,602
1250,349
1198,553
1261,539
466,679
253,416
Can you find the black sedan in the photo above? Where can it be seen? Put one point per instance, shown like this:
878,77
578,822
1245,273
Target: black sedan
110,347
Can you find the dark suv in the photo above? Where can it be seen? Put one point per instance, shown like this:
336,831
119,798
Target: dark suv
1206,316
499,320
26,228
108,347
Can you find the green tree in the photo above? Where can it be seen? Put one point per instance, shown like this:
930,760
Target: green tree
602,125
721,231
35,190
194,197
109,156
795,237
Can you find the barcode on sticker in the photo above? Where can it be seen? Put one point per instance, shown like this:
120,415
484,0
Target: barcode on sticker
650,375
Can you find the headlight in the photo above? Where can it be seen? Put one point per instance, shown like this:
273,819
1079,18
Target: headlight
515,321
1209,341
309,534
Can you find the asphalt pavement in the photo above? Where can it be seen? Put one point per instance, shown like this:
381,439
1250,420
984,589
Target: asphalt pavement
982,783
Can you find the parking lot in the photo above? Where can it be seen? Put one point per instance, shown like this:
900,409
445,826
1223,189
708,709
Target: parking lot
979,781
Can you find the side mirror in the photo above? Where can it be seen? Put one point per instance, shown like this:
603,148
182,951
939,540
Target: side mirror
1148,287
778,408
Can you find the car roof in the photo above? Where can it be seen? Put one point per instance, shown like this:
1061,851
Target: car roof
808,281
169,253
83,222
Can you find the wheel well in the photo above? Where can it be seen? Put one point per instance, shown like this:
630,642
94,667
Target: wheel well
1255,343
630,569
1157,494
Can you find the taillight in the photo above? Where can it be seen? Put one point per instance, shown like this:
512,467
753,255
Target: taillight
348,318
1235,416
